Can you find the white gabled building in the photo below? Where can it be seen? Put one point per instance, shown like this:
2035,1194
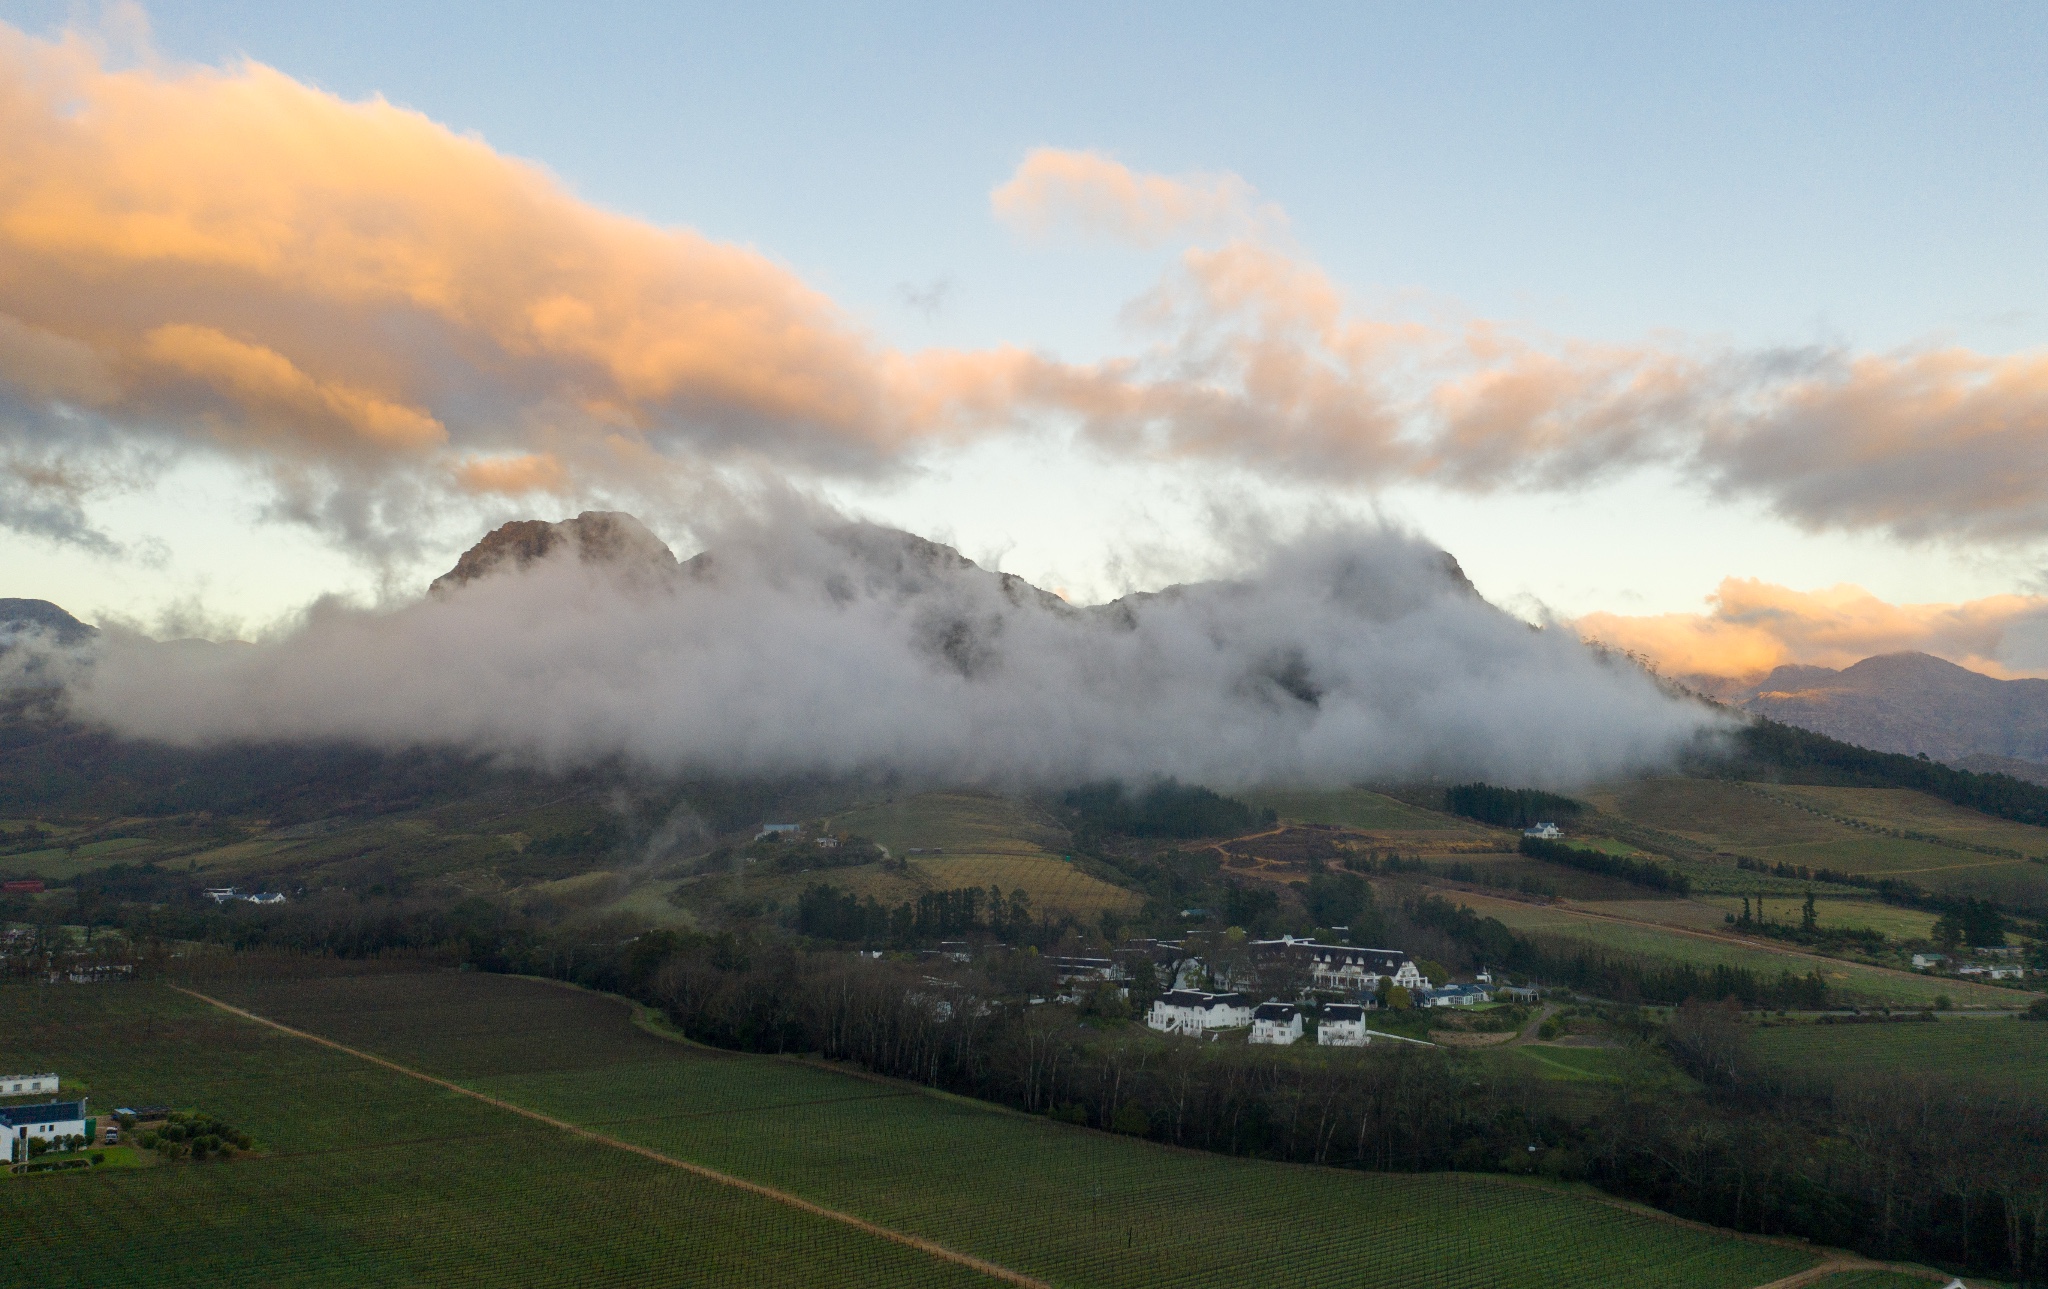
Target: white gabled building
1190,1011
1544,832
26,1085
1342,1025
1359,971
1276,1023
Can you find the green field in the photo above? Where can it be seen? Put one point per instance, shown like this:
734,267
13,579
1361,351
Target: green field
1848,829
366,1177
2008,1056
1877,1280
1897,923
1853,980
970,823
382,1180
1354,808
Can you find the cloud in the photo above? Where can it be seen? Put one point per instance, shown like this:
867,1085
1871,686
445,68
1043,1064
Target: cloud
385,318
1753,626
1055,188
821,646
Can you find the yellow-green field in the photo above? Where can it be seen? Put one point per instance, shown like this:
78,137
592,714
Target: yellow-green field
1354,808
1786,825
1917,812
1846,914
1673,944
966,822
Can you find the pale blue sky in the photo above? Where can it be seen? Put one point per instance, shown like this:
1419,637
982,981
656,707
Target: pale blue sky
1870,175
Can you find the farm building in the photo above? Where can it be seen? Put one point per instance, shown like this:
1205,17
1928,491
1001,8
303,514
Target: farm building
1189,1011
26,1085
1544,832
1927,961
1067,968
50,1121
1343,1025
1458,996
1349,970
1276,1023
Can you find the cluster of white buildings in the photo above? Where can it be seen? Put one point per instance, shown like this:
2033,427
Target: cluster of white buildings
222,894
50,1121
2001,968
1194,1013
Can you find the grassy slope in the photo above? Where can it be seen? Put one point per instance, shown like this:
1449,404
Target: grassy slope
1793,825
1354,808
986,840
1074,1206
1852,979
1994,1055
370,1178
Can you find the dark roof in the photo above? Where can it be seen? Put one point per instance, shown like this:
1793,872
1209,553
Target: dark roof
1282,1012
1343,1011
1196,998
15,1116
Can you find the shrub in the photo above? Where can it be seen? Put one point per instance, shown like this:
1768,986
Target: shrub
1132,1120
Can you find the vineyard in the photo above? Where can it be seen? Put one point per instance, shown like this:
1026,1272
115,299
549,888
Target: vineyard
382,1179
2005,1056
373,1178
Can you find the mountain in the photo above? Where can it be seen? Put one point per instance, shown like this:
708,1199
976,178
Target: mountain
597,536
1912,703
20,617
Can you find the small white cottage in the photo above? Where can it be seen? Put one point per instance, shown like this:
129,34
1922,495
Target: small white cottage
1342,1025
1278,1024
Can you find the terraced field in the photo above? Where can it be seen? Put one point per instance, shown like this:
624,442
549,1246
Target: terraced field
1062,1204
1702,949
2005,1056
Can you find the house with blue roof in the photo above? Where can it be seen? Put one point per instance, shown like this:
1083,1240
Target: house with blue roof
49,1122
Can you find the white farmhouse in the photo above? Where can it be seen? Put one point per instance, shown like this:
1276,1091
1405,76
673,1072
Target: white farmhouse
51,1121
1927,961
1342,1025
1544,832
1276,1023
26,1085
1189,1011
1359,971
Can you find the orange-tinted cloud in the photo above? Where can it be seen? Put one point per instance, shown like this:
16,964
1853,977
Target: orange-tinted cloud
1096,195
1752,627
379,311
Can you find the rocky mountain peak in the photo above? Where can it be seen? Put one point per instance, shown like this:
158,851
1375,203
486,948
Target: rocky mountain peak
608,537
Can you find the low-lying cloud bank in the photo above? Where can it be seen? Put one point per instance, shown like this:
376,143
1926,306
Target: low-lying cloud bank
843,648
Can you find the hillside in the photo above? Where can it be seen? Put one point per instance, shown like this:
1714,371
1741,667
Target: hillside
1915,704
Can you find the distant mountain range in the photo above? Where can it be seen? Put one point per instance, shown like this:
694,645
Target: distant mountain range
1908,702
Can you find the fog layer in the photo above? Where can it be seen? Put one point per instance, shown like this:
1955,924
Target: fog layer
843,648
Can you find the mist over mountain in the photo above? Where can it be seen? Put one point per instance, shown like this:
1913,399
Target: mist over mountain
1913,703
835,647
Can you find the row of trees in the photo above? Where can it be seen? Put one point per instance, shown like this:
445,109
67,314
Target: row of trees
825,912
1881,1166
1635,872
1510,807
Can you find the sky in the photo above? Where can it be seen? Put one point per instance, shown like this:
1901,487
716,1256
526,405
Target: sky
1714,328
